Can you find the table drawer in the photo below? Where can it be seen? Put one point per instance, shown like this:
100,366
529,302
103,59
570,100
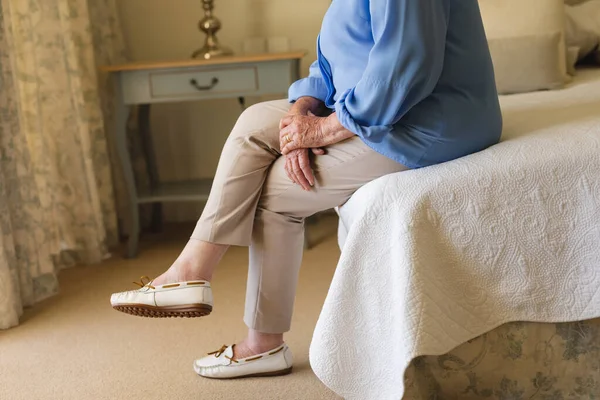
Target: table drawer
203,82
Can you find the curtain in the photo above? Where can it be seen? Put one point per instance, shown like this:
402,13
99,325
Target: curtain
57,196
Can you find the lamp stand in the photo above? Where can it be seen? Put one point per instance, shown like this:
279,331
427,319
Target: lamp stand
210,25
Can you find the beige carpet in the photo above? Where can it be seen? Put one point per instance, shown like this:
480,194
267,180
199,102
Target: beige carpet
74,346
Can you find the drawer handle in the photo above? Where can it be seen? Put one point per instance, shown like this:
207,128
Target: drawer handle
213,83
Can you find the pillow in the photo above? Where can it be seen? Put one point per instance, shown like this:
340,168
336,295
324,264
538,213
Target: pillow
583,27
526,63
523,20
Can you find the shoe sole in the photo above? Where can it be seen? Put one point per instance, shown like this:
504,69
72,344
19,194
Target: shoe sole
183,311
282,372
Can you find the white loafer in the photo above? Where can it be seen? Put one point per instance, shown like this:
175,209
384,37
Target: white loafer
181,299
220,364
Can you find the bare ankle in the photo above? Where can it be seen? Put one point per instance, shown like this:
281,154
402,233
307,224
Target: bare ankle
197,261
188,270
261,342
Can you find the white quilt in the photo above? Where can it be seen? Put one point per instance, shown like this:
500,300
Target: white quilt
432,258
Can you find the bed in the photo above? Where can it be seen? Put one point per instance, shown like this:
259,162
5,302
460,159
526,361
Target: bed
478,278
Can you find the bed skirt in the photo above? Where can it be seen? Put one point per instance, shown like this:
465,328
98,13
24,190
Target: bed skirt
520,360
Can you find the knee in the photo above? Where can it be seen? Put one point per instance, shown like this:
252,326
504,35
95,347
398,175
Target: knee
251,115
254,121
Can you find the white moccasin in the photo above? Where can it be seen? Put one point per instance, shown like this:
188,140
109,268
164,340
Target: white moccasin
181,299
220,364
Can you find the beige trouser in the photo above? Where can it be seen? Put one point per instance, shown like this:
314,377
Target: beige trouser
253,203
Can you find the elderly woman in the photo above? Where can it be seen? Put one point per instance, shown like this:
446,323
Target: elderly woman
398,85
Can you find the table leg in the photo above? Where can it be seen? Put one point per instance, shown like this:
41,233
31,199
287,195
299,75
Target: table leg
122,114
242,102
150,155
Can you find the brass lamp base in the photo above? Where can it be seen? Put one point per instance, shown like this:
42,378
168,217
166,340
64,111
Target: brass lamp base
208,52
210,25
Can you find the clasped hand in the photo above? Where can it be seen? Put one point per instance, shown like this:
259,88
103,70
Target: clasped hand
297,161
301,131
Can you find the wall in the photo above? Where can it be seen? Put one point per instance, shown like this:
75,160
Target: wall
188,137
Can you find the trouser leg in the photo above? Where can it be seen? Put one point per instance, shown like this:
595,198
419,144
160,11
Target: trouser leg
277,237
249,152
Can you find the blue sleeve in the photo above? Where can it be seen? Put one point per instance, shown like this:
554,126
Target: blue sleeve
404,65
313,85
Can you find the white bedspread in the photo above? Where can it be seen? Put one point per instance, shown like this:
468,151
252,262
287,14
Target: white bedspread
435,257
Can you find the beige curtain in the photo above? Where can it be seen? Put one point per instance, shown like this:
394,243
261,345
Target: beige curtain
57,203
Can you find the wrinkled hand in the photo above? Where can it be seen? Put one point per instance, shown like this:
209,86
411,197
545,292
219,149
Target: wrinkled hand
302,109
297,166
297,162
299,132
302,132
298,169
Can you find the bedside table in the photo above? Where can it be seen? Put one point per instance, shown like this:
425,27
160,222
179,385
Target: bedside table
143,84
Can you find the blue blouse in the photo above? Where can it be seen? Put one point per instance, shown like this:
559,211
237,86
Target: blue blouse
413,78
